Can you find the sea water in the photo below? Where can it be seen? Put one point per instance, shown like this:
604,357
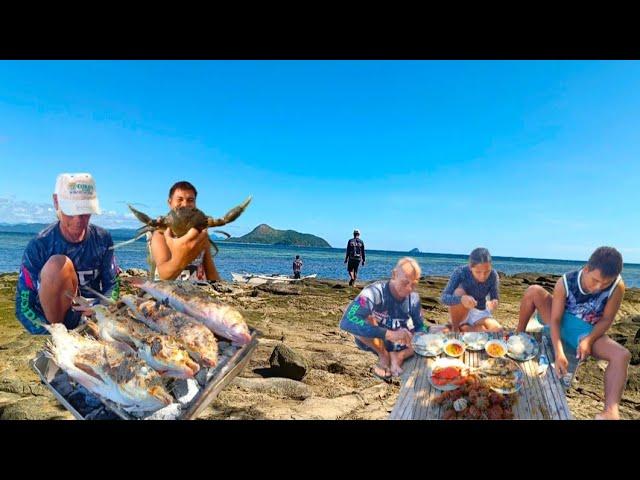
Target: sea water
327,263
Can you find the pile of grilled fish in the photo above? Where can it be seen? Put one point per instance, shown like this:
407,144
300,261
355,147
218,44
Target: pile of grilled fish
139,344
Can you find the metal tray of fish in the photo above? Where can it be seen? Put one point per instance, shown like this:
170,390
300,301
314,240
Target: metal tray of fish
84,405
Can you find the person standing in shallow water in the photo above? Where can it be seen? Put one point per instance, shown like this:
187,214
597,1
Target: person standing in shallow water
297,267
467,292
354,255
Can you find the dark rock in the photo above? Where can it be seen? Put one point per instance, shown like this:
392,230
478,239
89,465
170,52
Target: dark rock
339,286
636,339
265,372
288,363
279,289
220,287
618,337
135,272
634,348
336,367
254,293
635,319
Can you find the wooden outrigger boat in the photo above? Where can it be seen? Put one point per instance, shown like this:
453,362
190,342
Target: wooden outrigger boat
258,279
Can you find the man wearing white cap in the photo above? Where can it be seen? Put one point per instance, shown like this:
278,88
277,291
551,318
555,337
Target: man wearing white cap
65,257
355,255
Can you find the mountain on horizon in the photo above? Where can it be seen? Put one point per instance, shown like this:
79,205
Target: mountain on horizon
265,234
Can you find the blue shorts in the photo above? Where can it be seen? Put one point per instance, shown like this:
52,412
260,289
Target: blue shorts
71,318
572,329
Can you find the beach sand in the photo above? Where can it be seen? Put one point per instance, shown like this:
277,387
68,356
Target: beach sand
338,383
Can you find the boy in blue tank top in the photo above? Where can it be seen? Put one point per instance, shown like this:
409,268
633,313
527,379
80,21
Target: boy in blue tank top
579,313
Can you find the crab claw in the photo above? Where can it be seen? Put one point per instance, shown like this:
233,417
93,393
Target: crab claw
230,216
143,217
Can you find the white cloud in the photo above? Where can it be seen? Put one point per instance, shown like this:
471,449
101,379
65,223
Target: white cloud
21,211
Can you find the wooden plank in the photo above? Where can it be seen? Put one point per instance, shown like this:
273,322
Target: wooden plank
410,385
424,396
406,390
543,384
555,385
557,390
548,407
539,409
411,411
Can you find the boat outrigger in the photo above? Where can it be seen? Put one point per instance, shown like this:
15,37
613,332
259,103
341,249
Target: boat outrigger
258,279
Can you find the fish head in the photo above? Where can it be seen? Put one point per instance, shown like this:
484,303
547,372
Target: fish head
238,329
143,387
170,356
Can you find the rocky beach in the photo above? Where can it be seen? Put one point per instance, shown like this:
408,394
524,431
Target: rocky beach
305,367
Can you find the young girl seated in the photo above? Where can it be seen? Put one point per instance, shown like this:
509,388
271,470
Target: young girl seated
467,291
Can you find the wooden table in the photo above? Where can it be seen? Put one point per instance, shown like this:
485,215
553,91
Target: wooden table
540,398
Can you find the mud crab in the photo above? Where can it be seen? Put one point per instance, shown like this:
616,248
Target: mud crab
182,219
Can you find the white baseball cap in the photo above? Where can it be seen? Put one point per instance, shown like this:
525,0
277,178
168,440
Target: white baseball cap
77,194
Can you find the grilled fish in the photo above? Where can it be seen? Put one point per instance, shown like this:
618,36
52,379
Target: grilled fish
192,335
163,353
107,371
222,320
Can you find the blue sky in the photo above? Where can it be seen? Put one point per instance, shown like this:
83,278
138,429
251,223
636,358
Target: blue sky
528,158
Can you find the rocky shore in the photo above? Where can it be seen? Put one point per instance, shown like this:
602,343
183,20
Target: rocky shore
328,377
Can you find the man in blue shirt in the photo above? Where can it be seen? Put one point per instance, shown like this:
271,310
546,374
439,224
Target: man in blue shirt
65,257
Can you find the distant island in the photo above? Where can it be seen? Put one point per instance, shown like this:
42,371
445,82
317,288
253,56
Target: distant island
414,250
268,235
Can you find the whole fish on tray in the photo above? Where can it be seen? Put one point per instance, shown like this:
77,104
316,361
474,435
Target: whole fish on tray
107,371
222,320
163,353
192,335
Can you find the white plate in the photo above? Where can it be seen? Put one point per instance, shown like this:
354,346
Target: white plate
533,348
442,363
517,372
475,340
420,342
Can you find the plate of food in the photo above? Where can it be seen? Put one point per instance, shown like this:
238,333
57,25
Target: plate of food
522,347
447,374
501,375
496,348
454,348
475,341
428,344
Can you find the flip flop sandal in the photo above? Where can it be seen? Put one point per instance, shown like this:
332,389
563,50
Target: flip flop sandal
385,378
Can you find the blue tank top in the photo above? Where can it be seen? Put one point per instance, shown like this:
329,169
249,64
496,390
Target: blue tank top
586,306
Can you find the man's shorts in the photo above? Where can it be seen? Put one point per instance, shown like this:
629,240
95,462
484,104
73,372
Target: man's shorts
476,315
71,318
389,346
296,275
572,329
353,264
389,324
